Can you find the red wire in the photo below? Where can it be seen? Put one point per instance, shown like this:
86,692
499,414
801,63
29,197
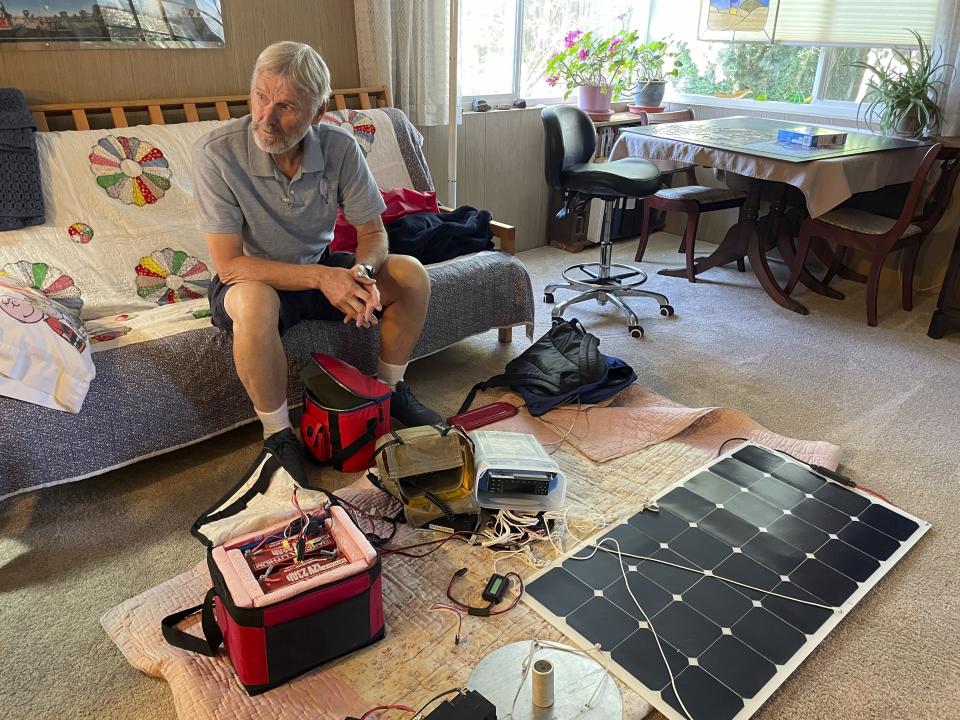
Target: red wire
405,708
875,493
439,544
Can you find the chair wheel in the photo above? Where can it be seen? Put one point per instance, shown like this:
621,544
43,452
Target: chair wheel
666,310
548,298
636,331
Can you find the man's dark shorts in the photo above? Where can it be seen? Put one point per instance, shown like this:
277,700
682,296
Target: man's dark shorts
295,305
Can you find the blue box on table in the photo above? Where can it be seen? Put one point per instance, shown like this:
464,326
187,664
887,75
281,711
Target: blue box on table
811,137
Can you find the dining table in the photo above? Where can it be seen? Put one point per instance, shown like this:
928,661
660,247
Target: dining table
747,149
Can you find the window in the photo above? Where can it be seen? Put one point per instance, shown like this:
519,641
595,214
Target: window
504,45
789,73
491,31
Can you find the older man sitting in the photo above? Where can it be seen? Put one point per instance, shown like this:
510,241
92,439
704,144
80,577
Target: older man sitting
267,187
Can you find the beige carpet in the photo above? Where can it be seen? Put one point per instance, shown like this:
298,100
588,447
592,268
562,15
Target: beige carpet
888,395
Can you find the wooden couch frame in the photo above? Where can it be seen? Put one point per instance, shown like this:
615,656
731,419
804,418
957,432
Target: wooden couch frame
123,113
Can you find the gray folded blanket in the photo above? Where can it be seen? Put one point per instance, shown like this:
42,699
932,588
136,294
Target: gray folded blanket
21,195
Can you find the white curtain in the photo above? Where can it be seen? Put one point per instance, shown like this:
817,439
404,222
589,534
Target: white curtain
405,44
948,37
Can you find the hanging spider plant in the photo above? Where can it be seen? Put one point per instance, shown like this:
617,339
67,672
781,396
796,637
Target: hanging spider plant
904,100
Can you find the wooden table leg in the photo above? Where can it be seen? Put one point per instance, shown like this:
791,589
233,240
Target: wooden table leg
777,224
744,239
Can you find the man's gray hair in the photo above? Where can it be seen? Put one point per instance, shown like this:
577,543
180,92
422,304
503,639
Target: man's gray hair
300,64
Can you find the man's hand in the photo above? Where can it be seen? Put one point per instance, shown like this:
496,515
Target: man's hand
367,319
352,293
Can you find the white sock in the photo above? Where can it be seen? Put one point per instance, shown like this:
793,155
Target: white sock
389,374
274,422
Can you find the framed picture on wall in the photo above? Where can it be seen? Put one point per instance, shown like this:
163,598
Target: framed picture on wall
738,20
32,24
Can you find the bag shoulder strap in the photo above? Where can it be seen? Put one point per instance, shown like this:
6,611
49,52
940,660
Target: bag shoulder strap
212,636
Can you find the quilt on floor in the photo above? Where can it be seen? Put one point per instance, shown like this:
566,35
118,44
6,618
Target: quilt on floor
418,657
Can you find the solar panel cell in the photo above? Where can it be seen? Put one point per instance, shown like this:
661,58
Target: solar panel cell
774,553
869,540
713,488
824,582
800,478
759,458
844,500
889,522
848,560
737,666
686,629
700,548
778,494
806,618
688,505
560,592
717,601
754,510
737,472
802,535
703,695
652,597
597,572
671,579
603,622
640,656
729,528
662,526
769,635
821,516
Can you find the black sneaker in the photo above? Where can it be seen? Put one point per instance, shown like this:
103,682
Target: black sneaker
408,411
286,448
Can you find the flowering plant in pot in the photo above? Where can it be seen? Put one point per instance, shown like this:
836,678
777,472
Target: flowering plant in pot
597,66
649,77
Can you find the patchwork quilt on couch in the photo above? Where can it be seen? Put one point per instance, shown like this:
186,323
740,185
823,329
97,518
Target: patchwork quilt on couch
121,249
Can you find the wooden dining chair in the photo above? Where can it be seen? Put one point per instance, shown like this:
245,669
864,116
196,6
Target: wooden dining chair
878,235
691,199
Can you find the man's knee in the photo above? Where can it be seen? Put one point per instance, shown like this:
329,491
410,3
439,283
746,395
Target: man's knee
406,274
252,305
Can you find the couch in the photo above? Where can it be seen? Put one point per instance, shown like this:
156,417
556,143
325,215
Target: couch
132,254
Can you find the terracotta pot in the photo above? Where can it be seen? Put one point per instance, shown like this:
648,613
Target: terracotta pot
594,98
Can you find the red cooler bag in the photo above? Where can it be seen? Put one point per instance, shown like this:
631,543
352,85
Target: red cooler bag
281,606
344,412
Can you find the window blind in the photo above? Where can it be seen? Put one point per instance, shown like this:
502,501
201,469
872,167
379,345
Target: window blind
868,23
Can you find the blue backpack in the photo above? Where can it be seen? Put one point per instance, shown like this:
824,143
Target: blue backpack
563,366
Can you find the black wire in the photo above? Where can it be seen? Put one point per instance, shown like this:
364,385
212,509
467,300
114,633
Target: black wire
720,450
435,698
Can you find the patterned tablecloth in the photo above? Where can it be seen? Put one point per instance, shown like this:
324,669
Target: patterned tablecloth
825,183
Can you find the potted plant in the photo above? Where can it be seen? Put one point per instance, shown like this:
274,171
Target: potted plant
902,96
650,74
598,67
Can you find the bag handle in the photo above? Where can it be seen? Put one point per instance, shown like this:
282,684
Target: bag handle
212,636
337,458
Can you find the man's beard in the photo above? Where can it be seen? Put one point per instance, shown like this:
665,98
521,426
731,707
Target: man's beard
279,143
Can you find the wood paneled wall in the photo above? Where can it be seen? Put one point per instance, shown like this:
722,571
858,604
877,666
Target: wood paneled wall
499,168
48,76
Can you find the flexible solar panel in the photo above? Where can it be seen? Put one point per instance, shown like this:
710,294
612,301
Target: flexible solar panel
760,559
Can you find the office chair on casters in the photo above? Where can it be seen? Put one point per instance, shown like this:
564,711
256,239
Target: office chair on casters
570,141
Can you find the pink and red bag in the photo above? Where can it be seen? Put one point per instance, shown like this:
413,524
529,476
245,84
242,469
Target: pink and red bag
316,614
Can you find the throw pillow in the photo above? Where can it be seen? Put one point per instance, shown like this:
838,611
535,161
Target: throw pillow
44,351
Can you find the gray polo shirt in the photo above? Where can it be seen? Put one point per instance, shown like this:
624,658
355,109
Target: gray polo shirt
239,189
